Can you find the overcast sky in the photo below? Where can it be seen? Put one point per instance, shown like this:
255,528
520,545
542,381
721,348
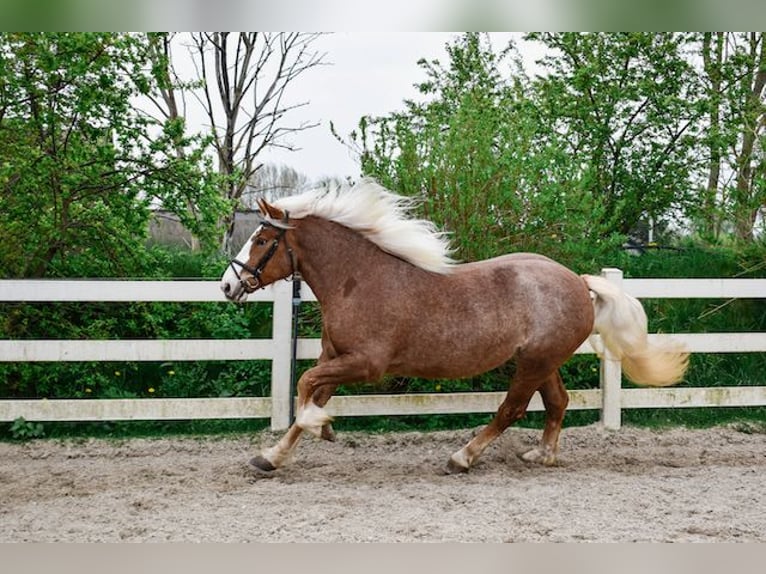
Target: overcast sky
369,74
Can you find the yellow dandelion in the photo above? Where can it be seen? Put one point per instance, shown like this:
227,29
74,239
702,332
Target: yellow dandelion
117,373
88,391
171,373
151,389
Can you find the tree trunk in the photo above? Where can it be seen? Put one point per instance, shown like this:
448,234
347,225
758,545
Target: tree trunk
713,60
746,203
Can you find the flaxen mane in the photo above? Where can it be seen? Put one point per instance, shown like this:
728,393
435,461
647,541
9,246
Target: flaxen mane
382,217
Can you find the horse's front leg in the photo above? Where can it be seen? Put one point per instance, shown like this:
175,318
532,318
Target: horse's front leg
274,457
314,383
315,388
321,396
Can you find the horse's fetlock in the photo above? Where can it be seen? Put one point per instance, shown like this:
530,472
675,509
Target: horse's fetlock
312,418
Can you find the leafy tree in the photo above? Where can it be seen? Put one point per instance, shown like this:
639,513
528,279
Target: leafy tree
480,155
79,165
623,103
618,130
734,76
712,51
63,117
199,207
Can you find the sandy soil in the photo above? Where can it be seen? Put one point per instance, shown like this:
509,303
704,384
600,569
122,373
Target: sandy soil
631,485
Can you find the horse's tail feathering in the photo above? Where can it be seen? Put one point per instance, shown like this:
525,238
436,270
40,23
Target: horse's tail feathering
621,321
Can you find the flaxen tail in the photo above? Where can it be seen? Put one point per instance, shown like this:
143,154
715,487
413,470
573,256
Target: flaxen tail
621,321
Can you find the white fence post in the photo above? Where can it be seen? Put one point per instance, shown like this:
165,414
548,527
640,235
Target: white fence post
280,365
611,372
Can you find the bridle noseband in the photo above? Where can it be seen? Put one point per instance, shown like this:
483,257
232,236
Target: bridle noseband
253,283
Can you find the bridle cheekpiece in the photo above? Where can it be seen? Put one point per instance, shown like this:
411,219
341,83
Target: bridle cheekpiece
253,283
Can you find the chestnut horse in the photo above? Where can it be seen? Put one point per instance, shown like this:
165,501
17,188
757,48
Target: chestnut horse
393,301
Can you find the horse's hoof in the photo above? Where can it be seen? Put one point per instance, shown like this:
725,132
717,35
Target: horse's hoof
538,456
261,464
328,433
455,468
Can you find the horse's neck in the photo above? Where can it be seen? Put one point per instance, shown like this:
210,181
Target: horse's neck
330,255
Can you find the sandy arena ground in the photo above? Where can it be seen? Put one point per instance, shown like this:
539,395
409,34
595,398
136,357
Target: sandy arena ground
631,485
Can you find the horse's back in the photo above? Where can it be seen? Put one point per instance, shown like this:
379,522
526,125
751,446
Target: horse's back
533,278
510,260
485,312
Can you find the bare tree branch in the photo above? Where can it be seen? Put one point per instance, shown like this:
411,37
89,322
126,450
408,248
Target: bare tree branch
245,102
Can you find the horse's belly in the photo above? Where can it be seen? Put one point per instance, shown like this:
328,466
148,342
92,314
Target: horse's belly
440,359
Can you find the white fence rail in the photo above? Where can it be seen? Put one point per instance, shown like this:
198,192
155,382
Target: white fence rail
610,398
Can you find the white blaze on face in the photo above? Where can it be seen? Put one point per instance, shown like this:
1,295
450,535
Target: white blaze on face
230,284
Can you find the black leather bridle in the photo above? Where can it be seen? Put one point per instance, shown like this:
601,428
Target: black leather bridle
253,283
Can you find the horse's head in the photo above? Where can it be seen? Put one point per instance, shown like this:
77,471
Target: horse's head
266,257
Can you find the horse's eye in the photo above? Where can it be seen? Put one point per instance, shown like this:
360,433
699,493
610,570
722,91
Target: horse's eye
260,241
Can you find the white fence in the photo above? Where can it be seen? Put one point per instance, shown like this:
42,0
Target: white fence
610,398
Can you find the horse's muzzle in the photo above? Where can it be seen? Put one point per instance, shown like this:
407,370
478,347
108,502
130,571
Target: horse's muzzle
237,291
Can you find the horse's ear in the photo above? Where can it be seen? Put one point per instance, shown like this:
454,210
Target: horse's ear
269,210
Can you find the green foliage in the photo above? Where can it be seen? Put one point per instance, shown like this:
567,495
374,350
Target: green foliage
625,104
22,429
734,104
79,164
486,166
620,129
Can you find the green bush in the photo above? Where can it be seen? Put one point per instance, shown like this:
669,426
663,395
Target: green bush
22,429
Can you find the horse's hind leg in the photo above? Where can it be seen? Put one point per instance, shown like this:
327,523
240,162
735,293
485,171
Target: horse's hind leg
555,399
512,409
